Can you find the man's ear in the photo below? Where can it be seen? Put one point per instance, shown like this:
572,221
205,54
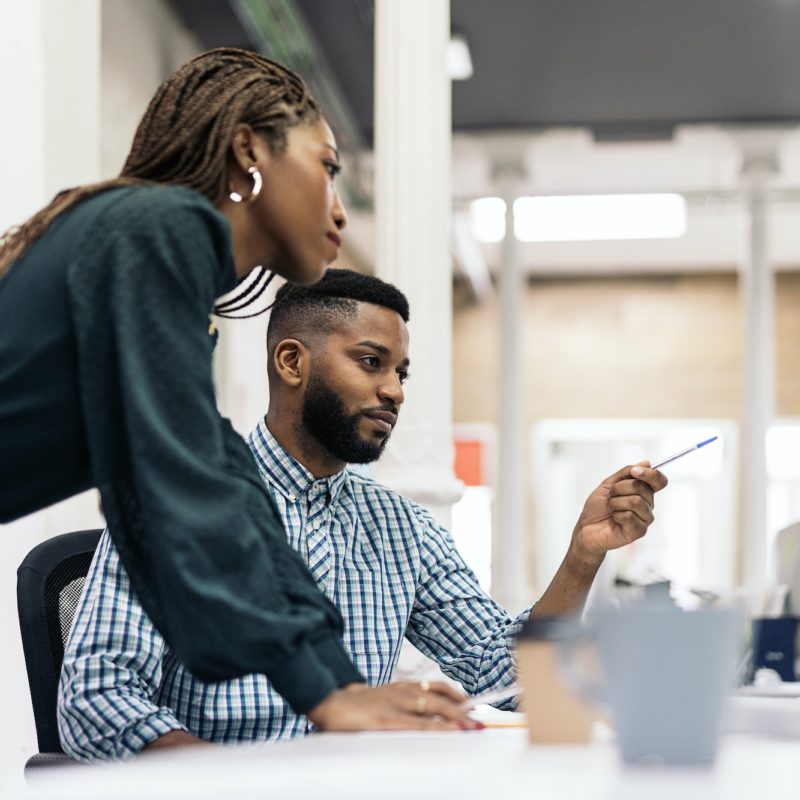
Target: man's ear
291,361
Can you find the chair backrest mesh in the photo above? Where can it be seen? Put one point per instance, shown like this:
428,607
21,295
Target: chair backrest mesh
67,606
61,595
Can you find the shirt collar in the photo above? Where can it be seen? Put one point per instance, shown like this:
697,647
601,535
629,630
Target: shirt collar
287,474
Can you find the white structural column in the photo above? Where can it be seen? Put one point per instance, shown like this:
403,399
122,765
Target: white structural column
413,209
758,303
49,139
50,73
509,543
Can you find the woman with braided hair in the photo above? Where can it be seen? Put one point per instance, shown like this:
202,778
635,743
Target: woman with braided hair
105,377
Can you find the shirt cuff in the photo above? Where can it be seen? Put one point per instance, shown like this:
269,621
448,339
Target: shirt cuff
147,730
332,653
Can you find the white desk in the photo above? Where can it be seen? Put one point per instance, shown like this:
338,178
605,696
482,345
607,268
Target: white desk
462,766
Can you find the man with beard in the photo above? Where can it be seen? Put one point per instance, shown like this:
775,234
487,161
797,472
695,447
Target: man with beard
338,359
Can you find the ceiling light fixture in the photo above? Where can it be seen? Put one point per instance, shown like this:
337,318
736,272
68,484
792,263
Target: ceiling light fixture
459,61
488,219
597,217
577,218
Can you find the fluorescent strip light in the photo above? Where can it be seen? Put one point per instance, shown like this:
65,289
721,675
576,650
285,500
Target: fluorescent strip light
575,218
459,61
488,219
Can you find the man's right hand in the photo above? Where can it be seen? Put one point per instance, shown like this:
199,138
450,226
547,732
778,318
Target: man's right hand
396,706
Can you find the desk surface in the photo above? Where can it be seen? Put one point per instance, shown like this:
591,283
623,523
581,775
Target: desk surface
495,763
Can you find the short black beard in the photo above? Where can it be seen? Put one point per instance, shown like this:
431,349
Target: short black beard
327,421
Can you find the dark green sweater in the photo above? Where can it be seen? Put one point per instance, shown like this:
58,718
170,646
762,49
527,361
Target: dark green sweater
105,380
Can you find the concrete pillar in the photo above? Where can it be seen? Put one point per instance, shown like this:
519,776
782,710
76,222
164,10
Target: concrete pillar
412,210
509,542
757,295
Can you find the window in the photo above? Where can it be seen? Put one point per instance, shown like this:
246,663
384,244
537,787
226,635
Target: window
693,539
783,474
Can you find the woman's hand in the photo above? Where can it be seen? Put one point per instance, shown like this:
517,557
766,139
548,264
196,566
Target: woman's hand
396,706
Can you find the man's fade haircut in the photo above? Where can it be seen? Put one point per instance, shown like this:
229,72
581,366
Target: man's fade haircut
328,304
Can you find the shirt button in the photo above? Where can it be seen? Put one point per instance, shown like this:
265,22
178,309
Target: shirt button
317,525
292,498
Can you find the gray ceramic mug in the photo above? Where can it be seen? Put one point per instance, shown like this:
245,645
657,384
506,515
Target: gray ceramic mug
666,674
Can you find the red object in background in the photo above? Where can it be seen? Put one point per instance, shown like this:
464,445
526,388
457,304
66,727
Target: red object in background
469,462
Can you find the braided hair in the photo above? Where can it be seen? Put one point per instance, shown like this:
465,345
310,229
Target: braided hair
184,139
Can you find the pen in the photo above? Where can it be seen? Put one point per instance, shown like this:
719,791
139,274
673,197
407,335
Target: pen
493,695
685,452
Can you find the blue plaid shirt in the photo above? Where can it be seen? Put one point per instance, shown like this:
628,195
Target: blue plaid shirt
392,570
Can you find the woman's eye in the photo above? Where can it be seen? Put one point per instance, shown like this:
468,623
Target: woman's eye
333,168
371,361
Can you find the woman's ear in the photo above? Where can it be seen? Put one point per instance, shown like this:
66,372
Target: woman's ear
291,360
242,146
248,149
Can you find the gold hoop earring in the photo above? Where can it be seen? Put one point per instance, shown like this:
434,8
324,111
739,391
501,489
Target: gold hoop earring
256,190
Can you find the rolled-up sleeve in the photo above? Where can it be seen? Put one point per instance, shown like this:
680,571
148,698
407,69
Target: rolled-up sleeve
110,678
454,622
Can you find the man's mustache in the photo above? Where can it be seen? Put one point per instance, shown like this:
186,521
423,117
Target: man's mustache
390,407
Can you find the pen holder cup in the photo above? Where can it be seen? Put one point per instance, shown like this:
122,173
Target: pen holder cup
556,714
664,674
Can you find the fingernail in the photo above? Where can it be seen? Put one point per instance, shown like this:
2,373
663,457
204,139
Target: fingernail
479,726
637,472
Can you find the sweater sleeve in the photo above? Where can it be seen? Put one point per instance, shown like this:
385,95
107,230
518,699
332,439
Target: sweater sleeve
198,535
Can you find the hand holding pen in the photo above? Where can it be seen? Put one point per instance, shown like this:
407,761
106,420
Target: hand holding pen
617,485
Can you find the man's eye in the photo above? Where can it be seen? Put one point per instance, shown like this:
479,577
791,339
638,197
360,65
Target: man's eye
403,375
371,361
333,168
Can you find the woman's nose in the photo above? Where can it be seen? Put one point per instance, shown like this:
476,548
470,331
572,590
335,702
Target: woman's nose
339,214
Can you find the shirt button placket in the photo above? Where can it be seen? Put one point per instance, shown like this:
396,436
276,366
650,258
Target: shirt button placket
319,554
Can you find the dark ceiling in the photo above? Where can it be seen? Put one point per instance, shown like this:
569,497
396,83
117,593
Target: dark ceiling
624,68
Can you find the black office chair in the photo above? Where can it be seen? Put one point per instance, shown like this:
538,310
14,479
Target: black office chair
49,585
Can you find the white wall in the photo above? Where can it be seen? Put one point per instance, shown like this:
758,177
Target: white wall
49,139
75,78
142,43
49,72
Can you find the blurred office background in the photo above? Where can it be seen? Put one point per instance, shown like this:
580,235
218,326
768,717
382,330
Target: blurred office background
560,327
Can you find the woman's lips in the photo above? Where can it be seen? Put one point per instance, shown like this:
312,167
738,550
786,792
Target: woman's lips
335,238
